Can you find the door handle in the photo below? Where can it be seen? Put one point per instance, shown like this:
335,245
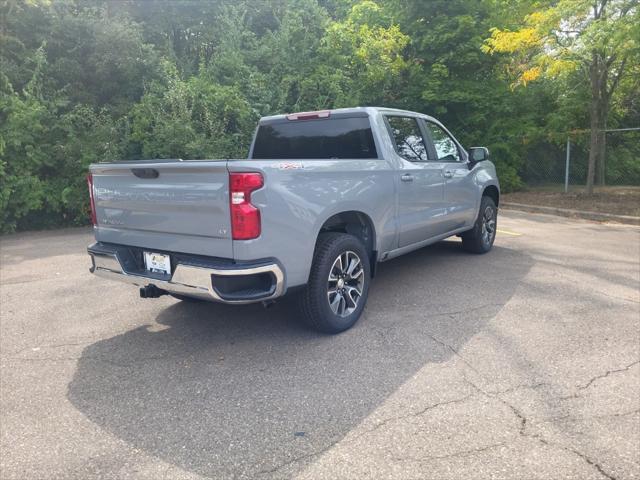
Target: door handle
407,177
447,174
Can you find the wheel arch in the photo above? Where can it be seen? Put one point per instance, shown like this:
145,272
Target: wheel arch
492,192
356,223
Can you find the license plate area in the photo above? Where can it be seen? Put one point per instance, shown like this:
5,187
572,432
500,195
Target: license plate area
157,263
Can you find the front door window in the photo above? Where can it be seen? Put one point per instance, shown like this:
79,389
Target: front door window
446,148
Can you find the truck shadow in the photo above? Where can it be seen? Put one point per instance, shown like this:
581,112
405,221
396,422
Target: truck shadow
234,391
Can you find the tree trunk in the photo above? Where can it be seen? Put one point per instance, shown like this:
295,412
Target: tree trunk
602,140
594,77
599,109
601,160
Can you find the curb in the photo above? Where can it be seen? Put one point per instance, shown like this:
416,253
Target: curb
565,212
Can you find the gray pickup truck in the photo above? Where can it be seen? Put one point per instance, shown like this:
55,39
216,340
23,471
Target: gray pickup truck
322,198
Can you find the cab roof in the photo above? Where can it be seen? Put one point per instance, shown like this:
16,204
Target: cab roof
340,112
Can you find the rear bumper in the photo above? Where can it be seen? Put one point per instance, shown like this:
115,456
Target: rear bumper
218,280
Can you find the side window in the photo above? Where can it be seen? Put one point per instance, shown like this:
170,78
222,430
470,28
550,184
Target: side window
445,147
408,138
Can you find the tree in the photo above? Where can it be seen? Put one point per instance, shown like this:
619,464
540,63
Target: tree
190,119
599,38
360,61
86,80
451,78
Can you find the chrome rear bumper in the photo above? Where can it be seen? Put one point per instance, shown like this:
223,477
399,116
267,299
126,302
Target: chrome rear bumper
189,280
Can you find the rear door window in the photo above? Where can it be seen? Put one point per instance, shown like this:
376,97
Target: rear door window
407,138
331,138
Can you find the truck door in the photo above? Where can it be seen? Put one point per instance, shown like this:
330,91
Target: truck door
420,183
460,192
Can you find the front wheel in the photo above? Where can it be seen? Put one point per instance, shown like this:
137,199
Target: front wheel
338,284
481,237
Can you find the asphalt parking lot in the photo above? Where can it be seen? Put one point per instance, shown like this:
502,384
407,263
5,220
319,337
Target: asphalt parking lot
523,363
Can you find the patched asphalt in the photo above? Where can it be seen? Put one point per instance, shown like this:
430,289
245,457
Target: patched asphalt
522,363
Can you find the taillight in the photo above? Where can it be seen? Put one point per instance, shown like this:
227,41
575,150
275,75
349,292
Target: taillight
92,200
245,217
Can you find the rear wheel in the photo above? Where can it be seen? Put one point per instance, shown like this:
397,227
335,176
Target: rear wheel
481,237
338,287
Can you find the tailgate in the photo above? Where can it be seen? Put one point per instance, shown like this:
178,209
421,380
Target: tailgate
176,206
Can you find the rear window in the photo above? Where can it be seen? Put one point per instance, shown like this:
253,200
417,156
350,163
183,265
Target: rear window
320,139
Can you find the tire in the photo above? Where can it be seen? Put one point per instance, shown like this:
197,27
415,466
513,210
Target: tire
481,237
185,298
334,298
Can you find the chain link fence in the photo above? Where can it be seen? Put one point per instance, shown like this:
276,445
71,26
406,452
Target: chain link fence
554,169
551,177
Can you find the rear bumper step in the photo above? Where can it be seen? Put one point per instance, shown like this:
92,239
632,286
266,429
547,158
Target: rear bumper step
225,282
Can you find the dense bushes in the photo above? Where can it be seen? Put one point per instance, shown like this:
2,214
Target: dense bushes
189,119
88,81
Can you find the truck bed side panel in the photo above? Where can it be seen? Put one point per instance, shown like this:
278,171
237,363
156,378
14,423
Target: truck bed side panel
300,195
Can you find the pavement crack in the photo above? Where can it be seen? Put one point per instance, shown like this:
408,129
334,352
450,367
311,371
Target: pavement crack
297,459
606,374
591,462
523,386
522,420
376,427
413,414
584,457
454,351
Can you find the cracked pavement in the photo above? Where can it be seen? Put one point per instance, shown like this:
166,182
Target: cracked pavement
523,363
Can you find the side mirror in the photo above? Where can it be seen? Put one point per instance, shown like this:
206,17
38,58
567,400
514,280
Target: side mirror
478,154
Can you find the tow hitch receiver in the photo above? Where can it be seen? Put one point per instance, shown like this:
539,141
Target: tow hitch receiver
151,291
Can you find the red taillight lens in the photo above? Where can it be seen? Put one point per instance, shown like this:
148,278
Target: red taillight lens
92,200
245,217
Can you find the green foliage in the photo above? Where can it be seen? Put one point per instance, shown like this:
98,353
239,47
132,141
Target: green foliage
45,155
365,53
23,131
623,168
84,81
73,73
558,36
191,119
